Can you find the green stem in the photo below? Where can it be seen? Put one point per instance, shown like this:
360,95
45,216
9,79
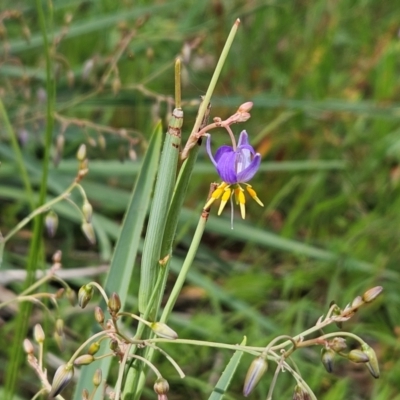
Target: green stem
185,267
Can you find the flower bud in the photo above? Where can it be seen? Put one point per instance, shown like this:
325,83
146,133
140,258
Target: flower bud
81,153
84,359
85,295
99,315
87,229
38,333
114,303
85,394
71,296
372,365
59,334
357,356
338,344
87,211
28,347
161,386
59,294
62,378
113,345
51,223
255,372
57,257
327,359
97,377
163,330
300,393
372,294
94,348
245,107
357,302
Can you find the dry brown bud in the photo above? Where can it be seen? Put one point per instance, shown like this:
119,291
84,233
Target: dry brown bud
161,386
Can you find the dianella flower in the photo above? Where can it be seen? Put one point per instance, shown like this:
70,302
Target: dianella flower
236,165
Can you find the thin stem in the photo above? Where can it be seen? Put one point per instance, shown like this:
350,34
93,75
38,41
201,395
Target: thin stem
178,95
36,212
121,369
206,100
185,267
274,379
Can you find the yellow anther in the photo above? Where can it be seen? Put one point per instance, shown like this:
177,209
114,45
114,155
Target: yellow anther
224,199
253,194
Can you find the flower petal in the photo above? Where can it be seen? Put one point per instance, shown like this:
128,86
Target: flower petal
243,139
248,173
226,167
208,148
222,150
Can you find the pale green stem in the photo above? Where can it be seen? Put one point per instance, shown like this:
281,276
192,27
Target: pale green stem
185,267
121,370
206,100
36,212
100,289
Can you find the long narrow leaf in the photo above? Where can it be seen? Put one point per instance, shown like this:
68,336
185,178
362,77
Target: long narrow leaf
123,261
224,381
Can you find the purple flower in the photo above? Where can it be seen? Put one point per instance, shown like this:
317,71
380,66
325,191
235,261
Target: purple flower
235,166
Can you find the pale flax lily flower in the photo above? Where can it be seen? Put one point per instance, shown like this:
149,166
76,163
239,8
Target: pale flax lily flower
235,166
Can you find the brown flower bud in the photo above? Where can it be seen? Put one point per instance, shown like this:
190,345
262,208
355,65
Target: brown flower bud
62,378
300,393
99,315
255,372
161,386
372,294
113,345
85,295
57,257
338,344
114,303
85,394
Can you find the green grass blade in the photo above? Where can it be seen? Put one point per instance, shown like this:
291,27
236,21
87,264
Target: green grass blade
163,192
123,260
224,381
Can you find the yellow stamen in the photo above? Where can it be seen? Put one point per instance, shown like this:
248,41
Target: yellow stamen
253,194
224,199
216,194
241,199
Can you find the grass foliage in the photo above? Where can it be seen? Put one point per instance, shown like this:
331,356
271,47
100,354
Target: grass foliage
323,76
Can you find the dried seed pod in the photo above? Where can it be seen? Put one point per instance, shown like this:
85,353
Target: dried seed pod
338,344
161,386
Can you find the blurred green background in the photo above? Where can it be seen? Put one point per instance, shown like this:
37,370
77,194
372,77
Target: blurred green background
324,76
